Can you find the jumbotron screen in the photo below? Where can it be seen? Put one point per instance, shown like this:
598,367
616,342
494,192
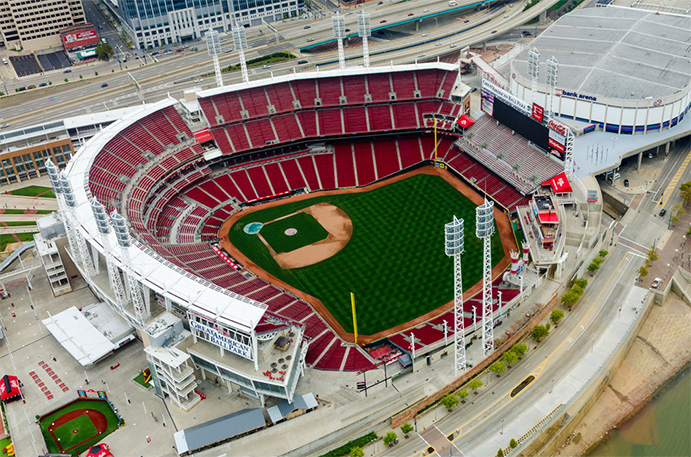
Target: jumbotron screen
523,125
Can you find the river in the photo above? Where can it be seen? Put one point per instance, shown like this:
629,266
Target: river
661,428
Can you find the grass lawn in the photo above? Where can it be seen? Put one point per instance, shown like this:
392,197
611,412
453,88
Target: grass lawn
21,211
65,432
394,262
3,444
6,239
32,191
308,231
19,223
140,380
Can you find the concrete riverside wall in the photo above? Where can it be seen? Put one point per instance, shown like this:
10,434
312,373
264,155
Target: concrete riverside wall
408,414
554,432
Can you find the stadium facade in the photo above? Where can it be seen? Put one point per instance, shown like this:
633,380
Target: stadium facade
621,70
152,23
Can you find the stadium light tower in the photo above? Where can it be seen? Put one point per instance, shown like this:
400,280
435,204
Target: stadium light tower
213,47
484,228
123,236
364,32
534,70
454,248
103,225
338,24
552,77
62,209
83,250
568,153
240,43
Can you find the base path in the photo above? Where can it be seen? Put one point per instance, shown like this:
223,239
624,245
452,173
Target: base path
504,231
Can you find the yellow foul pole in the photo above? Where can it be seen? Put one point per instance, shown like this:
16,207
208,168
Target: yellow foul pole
435,139
352,304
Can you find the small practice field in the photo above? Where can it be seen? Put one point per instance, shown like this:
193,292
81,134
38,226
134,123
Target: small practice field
73,428
392,257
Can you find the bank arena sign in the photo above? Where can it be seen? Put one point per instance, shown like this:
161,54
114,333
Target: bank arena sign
216,337
566,93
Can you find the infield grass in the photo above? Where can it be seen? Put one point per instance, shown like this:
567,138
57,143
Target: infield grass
394,262
68,438
65,432
309,231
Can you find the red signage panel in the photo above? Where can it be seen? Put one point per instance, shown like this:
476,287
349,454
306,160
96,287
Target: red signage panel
537,112
80,38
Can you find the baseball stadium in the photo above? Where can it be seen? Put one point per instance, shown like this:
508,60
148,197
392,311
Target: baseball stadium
298,209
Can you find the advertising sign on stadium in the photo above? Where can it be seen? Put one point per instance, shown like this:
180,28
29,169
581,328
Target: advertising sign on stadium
487,104
537,112
507,97
217,338
566,93
80,38
557,137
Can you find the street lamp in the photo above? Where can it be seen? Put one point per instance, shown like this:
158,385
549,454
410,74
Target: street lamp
502,427
552,388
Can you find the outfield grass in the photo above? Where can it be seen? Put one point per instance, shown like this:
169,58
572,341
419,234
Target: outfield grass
65,432
32,191
68,438
394,262
309,231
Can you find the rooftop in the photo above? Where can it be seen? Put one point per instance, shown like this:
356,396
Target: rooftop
616,52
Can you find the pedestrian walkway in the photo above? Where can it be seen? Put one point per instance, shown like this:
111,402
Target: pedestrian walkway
441,444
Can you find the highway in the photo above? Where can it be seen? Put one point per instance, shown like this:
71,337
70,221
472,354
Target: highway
178,71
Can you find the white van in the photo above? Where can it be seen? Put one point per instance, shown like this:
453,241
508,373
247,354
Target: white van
4,61
452,3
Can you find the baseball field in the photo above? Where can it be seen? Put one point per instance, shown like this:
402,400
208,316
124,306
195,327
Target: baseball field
74,427
386,245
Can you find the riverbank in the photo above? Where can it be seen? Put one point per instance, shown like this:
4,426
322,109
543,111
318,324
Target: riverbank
662,348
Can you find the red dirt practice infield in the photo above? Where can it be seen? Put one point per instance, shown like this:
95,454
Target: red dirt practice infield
96,417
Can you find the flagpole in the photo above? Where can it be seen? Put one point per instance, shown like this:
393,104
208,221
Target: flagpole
352,304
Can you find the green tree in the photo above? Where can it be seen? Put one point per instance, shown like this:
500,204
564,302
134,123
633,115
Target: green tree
539,332
66,79
593,267
602,253
95,73
678,209
449,401
643,271
50,83
81,77
598,261
519,349
497,368
104,51
475,384
510,358
581,282
513,443
500,452
462,394
685,192
406,428
390,437
556,316
578,289
569,298
652,254
357,452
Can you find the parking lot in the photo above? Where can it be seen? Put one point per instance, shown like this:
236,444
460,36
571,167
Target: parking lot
25,65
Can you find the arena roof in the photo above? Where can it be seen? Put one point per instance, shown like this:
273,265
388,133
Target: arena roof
616,52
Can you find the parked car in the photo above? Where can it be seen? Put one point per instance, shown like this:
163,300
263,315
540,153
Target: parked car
626,183
266,67
382,21
307,27
198,80
452,45
421,54
411,14
656,283
43,85
227,50
104,85
67,71
425,34
4,126
33,86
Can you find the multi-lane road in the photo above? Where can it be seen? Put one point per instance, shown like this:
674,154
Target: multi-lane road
178,71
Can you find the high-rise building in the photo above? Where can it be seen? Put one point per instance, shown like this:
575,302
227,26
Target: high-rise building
152,23
36,24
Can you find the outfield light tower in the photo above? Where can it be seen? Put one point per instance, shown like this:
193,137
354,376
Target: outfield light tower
240,43
568,153
338,24
484,216
364,32
122,234
552,77
454,248
213,47
534,70
103,225
62,208
70,203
